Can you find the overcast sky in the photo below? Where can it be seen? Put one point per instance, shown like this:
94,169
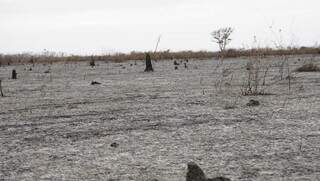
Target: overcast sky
106,26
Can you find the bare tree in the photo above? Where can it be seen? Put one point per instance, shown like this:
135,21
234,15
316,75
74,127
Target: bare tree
222,38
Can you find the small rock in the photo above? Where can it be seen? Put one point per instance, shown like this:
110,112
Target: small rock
95,83
114,145
253,102
229,107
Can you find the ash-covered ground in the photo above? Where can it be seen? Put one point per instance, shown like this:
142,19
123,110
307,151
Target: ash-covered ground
140,126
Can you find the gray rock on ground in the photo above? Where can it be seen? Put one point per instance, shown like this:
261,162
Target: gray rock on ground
253,102
95,83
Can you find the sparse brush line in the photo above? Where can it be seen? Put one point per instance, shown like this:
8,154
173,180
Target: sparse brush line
9,59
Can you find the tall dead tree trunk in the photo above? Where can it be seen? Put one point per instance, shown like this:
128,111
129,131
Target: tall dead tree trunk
148,63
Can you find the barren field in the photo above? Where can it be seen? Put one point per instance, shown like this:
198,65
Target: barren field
142,126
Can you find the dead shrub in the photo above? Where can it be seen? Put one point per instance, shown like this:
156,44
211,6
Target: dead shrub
255,82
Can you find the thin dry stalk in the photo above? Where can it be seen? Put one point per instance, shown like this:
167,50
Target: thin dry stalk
2,95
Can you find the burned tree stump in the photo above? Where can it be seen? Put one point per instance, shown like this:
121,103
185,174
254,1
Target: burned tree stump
92,62
195,173
148,63
14,74
1,89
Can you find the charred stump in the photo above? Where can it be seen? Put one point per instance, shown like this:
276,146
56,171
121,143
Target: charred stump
14,74
195,173
148,63
92,62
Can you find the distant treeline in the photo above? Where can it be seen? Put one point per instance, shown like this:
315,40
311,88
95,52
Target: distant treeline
48,57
